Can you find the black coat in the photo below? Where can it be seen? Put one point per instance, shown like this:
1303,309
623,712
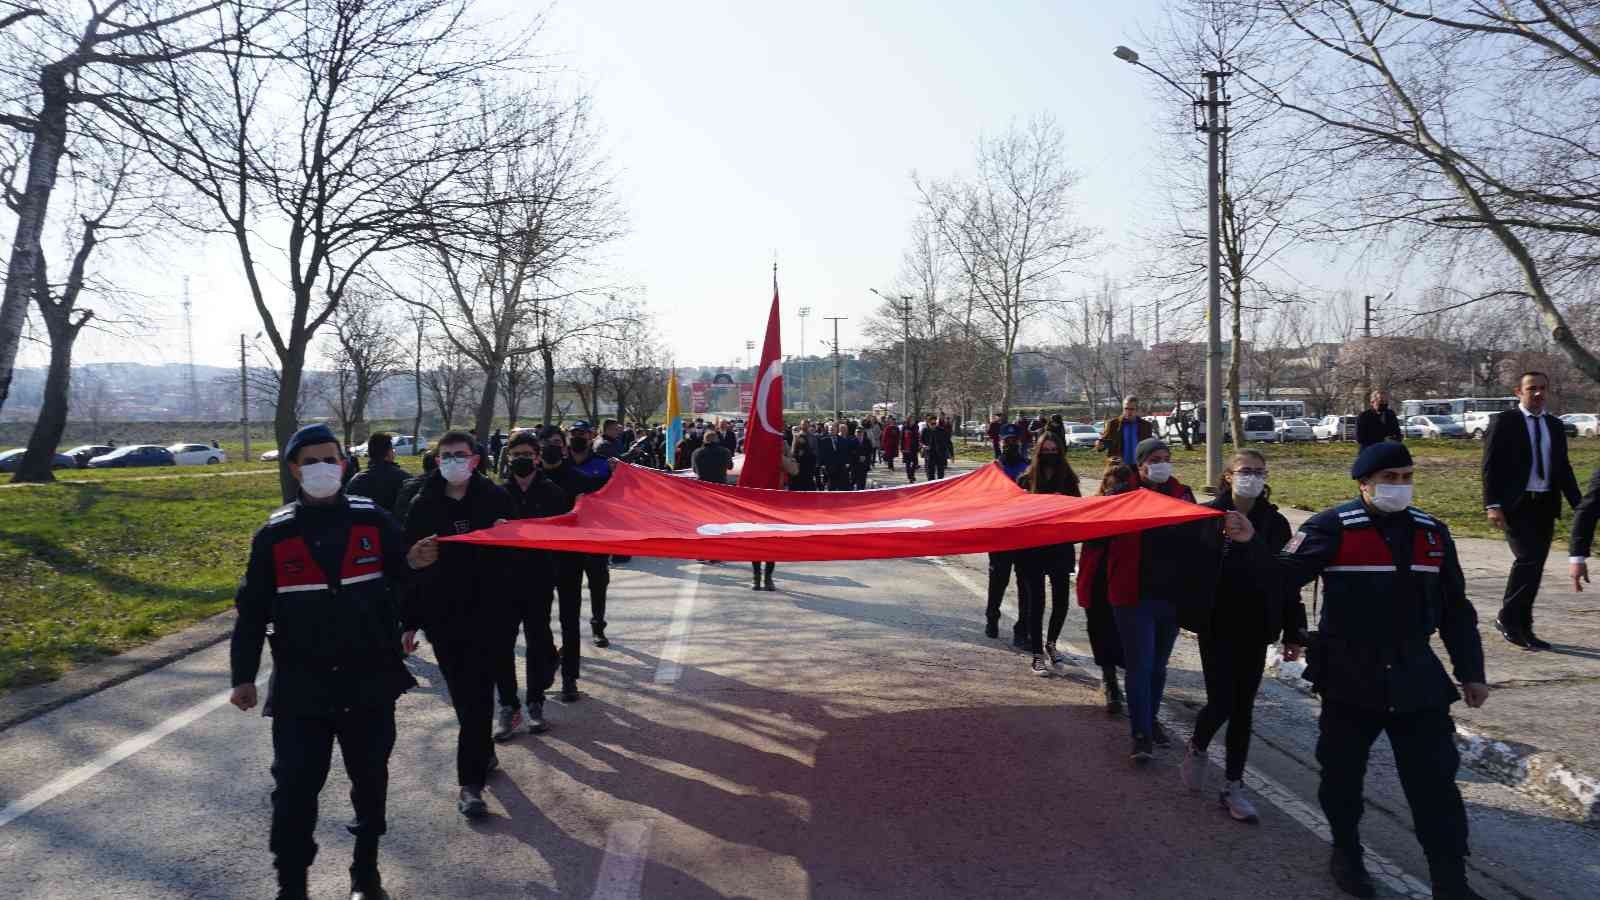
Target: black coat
1374,427
461,597
1253,601
381,481
542,499
1584,520
1508,458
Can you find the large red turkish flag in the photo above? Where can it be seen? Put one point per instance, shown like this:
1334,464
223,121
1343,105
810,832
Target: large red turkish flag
763,432
642,512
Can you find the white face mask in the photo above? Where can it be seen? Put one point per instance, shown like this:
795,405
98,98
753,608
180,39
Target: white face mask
455,471
1249,485
1391,498
1158,472
321,480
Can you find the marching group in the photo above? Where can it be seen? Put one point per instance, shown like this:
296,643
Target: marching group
341,581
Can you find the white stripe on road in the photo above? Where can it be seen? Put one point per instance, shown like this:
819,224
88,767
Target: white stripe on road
1382,869
670,666
30,802
622,869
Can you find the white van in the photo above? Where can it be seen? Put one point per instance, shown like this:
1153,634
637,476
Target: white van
1260,427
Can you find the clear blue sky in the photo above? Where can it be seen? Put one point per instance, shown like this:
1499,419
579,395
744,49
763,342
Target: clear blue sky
742,128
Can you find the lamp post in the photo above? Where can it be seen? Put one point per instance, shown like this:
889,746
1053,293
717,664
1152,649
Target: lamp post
805,312
902,311
1214,130
749,348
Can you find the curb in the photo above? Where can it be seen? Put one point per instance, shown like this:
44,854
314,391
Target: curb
1543,774
31,702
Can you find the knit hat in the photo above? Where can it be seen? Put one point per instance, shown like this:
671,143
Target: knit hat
1379,456
1148,446
305,437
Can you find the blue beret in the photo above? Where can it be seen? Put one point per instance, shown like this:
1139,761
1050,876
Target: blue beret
581,425
1382,455
305,437
1010,431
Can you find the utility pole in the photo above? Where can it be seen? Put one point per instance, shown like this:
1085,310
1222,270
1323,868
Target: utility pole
838,409
805,312
749,348
1214,130
905,355
188,339
244,399
1366,358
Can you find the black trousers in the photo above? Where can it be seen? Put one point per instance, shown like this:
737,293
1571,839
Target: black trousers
1104,639
597,568
756,569
838,478
568,597
1000,566
935,466
1233,665
532,620
302,750
1530,526
469,673
1425,758
911,467
1031,578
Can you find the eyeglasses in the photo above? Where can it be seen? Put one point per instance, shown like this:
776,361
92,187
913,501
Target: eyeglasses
459,454
1260,472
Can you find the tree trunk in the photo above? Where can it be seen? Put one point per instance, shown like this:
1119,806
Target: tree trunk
44,162
52,421
284,420
548,358
416,373
486,402
513,404
1007,362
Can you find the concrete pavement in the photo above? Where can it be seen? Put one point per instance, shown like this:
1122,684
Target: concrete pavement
852,735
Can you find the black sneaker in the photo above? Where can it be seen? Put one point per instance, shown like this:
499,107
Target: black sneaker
369,887
1041,666
535,718
1019,640
1161,735
1349,872
1534,641
770,586
569,692
600,640
991,630
470,803
756,586
1142,749
1512,635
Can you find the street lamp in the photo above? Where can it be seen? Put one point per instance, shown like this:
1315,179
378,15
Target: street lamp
1214,130
805,311
749,348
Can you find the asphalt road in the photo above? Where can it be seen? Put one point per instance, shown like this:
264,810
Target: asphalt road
852,735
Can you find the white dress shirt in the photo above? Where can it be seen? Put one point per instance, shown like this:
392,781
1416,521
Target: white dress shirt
1542,447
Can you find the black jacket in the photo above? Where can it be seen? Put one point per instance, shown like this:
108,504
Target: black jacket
1374,427
1508,458
1253,602
1584,521
462,596
542,499
1049,558
406,494
381,481
322,577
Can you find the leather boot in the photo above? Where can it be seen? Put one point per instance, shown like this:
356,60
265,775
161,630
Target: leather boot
292,883
1113,690
1449,877
1349,872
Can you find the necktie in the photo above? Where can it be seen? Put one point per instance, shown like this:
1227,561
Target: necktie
1538,448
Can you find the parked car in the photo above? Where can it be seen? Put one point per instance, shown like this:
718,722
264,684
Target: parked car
270,456
1260,427
1475,424
1410,431
197,454
1588,424
86,452
134,455
404,445
1335,428
1294,430
1570,428
1438,426
1080,436
11,460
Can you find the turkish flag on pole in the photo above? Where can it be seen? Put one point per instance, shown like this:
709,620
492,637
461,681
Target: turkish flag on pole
763,433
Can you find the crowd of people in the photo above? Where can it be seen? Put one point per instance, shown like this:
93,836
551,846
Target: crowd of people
343,580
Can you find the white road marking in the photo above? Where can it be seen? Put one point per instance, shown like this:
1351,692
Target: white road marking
622,869
33,800
670,666
1382,869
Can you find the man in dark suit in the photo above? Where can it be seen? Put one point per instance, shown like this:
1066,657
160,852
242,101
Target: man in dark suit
1378,423
1525,474
1582,539
1124,432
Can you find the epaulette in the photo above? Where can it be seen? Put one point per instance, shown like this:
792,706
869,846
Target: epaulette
1354,518
282,514
359,502
1423,519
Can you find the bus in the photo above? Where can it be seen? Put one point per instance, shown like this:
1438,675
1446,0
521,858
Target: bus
1456,408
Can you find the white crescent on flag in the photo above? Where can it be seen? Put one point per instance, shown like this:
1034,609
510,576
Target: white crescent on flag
764,391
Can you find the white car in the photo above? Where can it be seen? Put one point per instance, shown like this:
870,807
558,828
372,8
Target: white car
1476,423
1080,436
404,445
1410,431
197,454
1335,428
1295,430
1588,424
270,456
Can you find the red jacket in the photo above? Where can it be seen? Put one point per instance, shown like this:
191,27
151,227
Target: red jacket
891,440
1116,560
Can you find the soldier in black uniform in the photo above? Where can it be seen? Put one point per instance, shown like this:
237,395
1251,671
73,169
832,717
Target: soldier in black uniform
1391,578
319,574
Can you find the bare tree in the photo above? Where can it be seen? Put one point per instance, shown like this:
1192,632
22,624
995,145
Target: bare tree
82,70
516,381
451,384
1011,229
364,354
322,142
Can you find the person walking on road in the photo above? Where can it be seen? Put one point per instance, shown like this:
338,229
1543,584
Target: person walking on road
1526,473
533,496
1124,433
1378,422
321,574
408,490
596,567
1001,562
383,478
461,604
1049,473
1251,611
556,465
1391,577
1093,586
805,459
936,448
1582,539
910,448
891,442
761,572
996,433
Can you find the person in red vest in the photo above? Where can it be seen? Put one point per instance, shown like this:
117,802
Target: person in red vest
910,448
891,442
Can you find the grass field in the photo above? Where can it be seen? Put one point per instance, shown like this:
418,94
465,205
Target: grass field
94,568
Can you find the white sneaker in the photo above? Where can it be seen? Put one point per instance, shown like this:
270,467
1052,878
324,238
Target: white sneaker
1238,804
506,723
1057,660
1041,667
1193,769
